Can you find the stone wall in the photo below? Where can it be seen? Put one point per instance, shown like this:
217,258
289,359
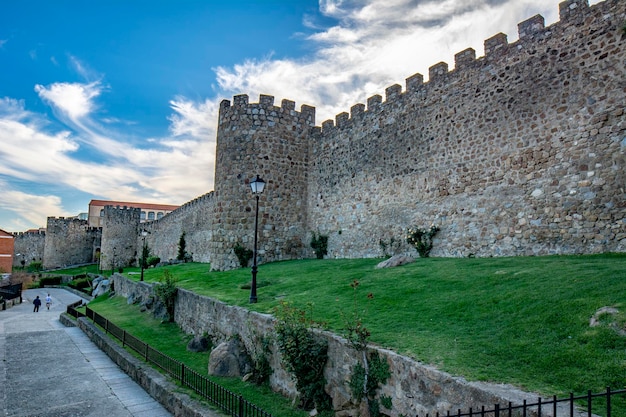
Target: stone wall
414,388
269,141
194,218
519,152
69,242
29,246
120,229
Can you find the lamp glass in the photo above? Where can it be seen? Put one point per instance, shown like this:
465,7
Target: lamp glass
257,185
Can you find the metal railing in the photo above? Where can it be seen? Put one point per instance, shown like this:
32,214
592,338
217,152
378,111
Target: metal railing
233,404
9,292
572,406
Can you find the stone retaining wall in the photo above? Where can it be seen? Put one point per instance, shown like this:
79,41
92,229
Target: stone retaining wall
415,388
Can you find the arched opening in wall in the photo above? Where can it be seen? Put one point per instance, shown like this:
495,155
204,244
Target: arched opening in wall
159,215
143,216
101,212
151,215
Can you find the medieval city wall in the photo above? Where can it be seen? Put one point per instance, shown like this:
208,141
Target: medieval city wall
269,141
69,242
120,228
519,152
194,219
29,246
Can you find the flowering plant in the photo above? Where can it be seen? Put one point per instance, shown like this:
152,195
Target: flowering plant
422,239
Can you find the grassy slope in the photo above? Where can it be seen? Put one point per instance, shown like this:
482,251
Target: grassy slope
520,320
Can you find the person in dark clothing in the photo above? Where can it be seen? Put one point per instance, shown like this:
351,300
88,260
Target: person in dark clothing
37,304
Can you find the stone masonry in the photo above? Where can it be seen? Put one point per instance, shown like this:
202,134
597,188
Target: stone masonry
518,152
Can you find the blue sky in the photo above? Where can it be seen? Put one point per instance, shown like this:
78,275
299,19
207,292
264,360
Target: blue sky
118,99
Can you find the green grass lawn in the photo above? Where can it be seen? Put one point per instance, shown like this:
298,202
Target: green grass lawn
519,320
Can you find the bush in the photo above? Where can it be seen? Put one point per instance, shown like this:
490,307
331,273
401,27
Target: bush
49,281
243,254
153,260
35,266
80,284
166,292
303,354
319,243
422,239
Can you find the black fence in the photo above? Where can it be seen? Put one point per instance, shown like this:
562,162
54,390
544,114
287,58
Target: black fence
9,292
600,404
229,402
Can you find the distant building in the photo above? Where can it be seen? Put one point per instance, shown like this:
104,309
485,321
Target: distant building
6,252
149,211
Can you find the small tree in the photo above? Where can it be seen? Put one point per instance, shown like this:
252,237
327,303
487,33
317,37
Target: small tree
182,246
145,254
166,292
422,239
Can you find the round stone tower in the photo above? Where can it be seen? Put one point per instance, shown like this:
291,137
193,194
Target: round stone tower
272,142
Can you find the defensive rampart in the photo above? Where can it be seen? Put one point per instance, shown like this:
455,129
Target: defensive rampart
519,152
28,247
69,242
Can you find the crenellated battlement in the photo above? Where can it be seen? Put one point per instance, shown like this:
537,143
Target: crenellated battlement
532,35
265,107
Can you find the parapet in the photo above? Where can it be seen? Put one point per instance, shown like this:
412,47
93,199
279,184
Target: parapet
571,12
266,102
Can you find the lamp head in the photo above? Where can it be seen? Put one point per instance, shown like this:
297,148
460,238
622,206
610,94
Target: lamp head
257,185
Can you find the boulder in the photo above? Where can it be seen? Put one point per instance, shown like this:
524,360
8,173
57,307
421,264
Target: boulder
101,287
229,359
198,344
395,260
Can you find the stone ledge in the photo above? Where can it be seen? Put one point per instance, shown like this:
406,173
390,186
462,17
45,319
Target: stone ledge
154,383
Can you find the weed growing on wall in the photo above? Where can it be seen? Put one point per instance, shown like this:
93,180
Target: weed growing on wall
304,355
422,239
319,243
390,247
243,254
373,371
166,292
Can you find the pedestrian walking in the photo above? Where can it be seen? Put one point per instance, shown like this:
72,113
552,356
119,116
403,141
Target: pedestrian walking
37,303
48,301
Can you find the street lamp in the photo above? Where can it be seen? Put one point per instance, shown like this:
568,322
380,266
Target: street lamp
257,186
113,262
144,233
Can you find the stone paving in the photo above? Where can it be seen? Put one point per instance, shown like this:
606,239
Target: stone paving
49,370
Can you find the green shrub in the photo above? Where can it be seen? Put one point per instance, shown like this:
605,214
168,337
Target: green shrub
49,281
35,266
422,239
152,260
243,254
304,355
166,292
319,243
80,283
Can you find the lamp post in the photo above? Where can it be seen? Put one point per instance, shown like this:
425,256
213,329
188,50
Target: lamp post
144,233
113,262
257,186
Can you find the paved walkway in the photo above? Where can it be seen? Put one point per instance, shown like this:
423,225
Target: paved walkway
49,370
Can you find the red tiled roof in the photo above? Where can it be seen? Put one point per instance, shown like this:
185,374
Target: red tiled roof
164,207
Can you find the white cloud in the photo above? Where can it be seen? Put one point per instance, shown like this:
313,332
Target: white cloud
74,100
